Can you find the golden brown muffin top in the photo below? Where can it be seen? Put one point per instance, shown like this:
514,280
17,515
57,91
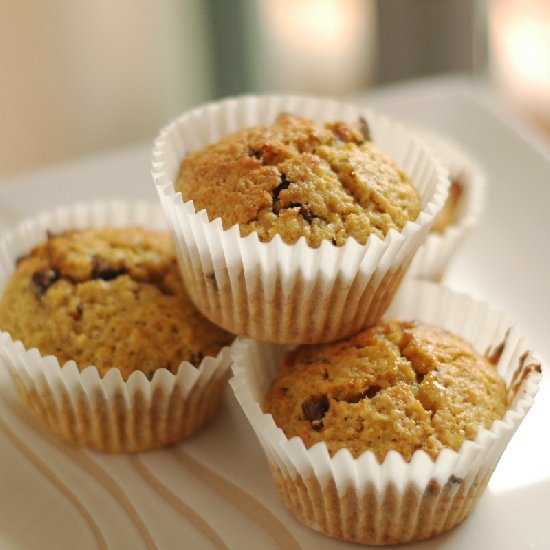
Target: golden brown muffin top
396,386
299,178
108,297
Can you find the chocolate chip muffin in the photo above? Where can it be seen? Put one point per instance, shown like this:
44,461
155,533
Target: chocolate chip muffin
398,386
109,297
298,178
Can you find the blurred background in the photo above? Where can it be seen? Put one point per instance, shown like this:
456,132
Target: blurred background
83,77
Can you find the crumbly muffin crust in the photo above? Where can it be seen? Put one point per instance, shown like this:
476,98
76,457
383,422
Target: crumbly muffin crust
396,386
299,178
109,297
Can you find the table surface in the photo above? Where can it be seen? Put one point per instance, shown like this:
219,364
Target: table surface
214,491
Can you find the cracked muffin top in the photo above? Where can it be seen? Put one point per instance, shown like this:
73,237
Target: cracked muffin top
108,297
399,386
298,178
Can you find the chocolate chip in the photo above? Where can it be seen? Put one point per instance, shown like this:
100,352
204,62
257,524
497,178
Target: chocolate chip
317,425
334,242
365,130
304,210
420,377
276,192
372,391
306,213
431,488
454,479
255,153
42,279
101,269
315,407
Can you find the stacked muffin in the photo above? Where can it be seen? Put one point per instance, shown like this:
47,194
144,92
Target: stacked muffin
298,230
294,221
99,335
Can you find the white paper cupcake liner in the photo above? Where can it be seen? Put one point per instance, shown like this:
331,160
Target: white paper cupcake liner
436,251
107,414
361,500
271,290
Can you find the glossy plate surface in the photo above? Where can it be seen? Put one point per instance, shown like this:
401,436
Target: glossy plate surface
215,491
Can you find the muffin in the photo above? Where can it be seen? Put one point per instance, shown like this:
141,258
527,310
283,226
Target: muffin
298,178
108,303
391,435
294,218
460,213
400,386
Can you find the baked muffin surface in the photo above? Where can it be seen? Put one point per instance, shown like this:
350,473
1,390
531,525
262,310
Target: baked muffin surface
299,178
395,386
109,297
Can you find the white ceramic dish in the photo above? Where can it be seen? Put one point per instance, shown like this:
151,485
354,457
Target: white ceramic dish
215,490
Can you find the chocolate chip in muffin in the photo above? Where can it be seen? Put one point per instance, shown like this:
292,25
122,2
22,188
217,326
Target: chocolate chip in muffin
101,269
328,166
315,407
276,192
390,376
255,153
372,391
306,213
42,279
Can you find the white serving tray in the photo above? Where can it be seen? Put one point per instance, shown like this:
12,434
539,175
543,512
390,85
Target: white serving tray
215,491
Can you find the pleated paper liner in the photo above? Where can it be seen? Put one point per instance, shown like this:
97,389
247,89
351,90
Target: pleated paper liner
361,500
284,293
433,257
106,414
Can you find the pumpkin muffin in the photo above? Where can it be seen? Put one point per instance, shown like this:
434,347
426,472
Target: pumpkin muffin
397,386
295,218
110,297
298,178
103,344
391,435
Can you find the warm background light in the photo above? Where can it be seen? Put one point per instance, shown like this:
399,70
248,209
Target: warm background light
520,44
84,77
323,46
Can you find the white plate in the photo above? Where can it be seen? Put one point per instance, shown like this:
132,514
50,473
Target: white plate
215,491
